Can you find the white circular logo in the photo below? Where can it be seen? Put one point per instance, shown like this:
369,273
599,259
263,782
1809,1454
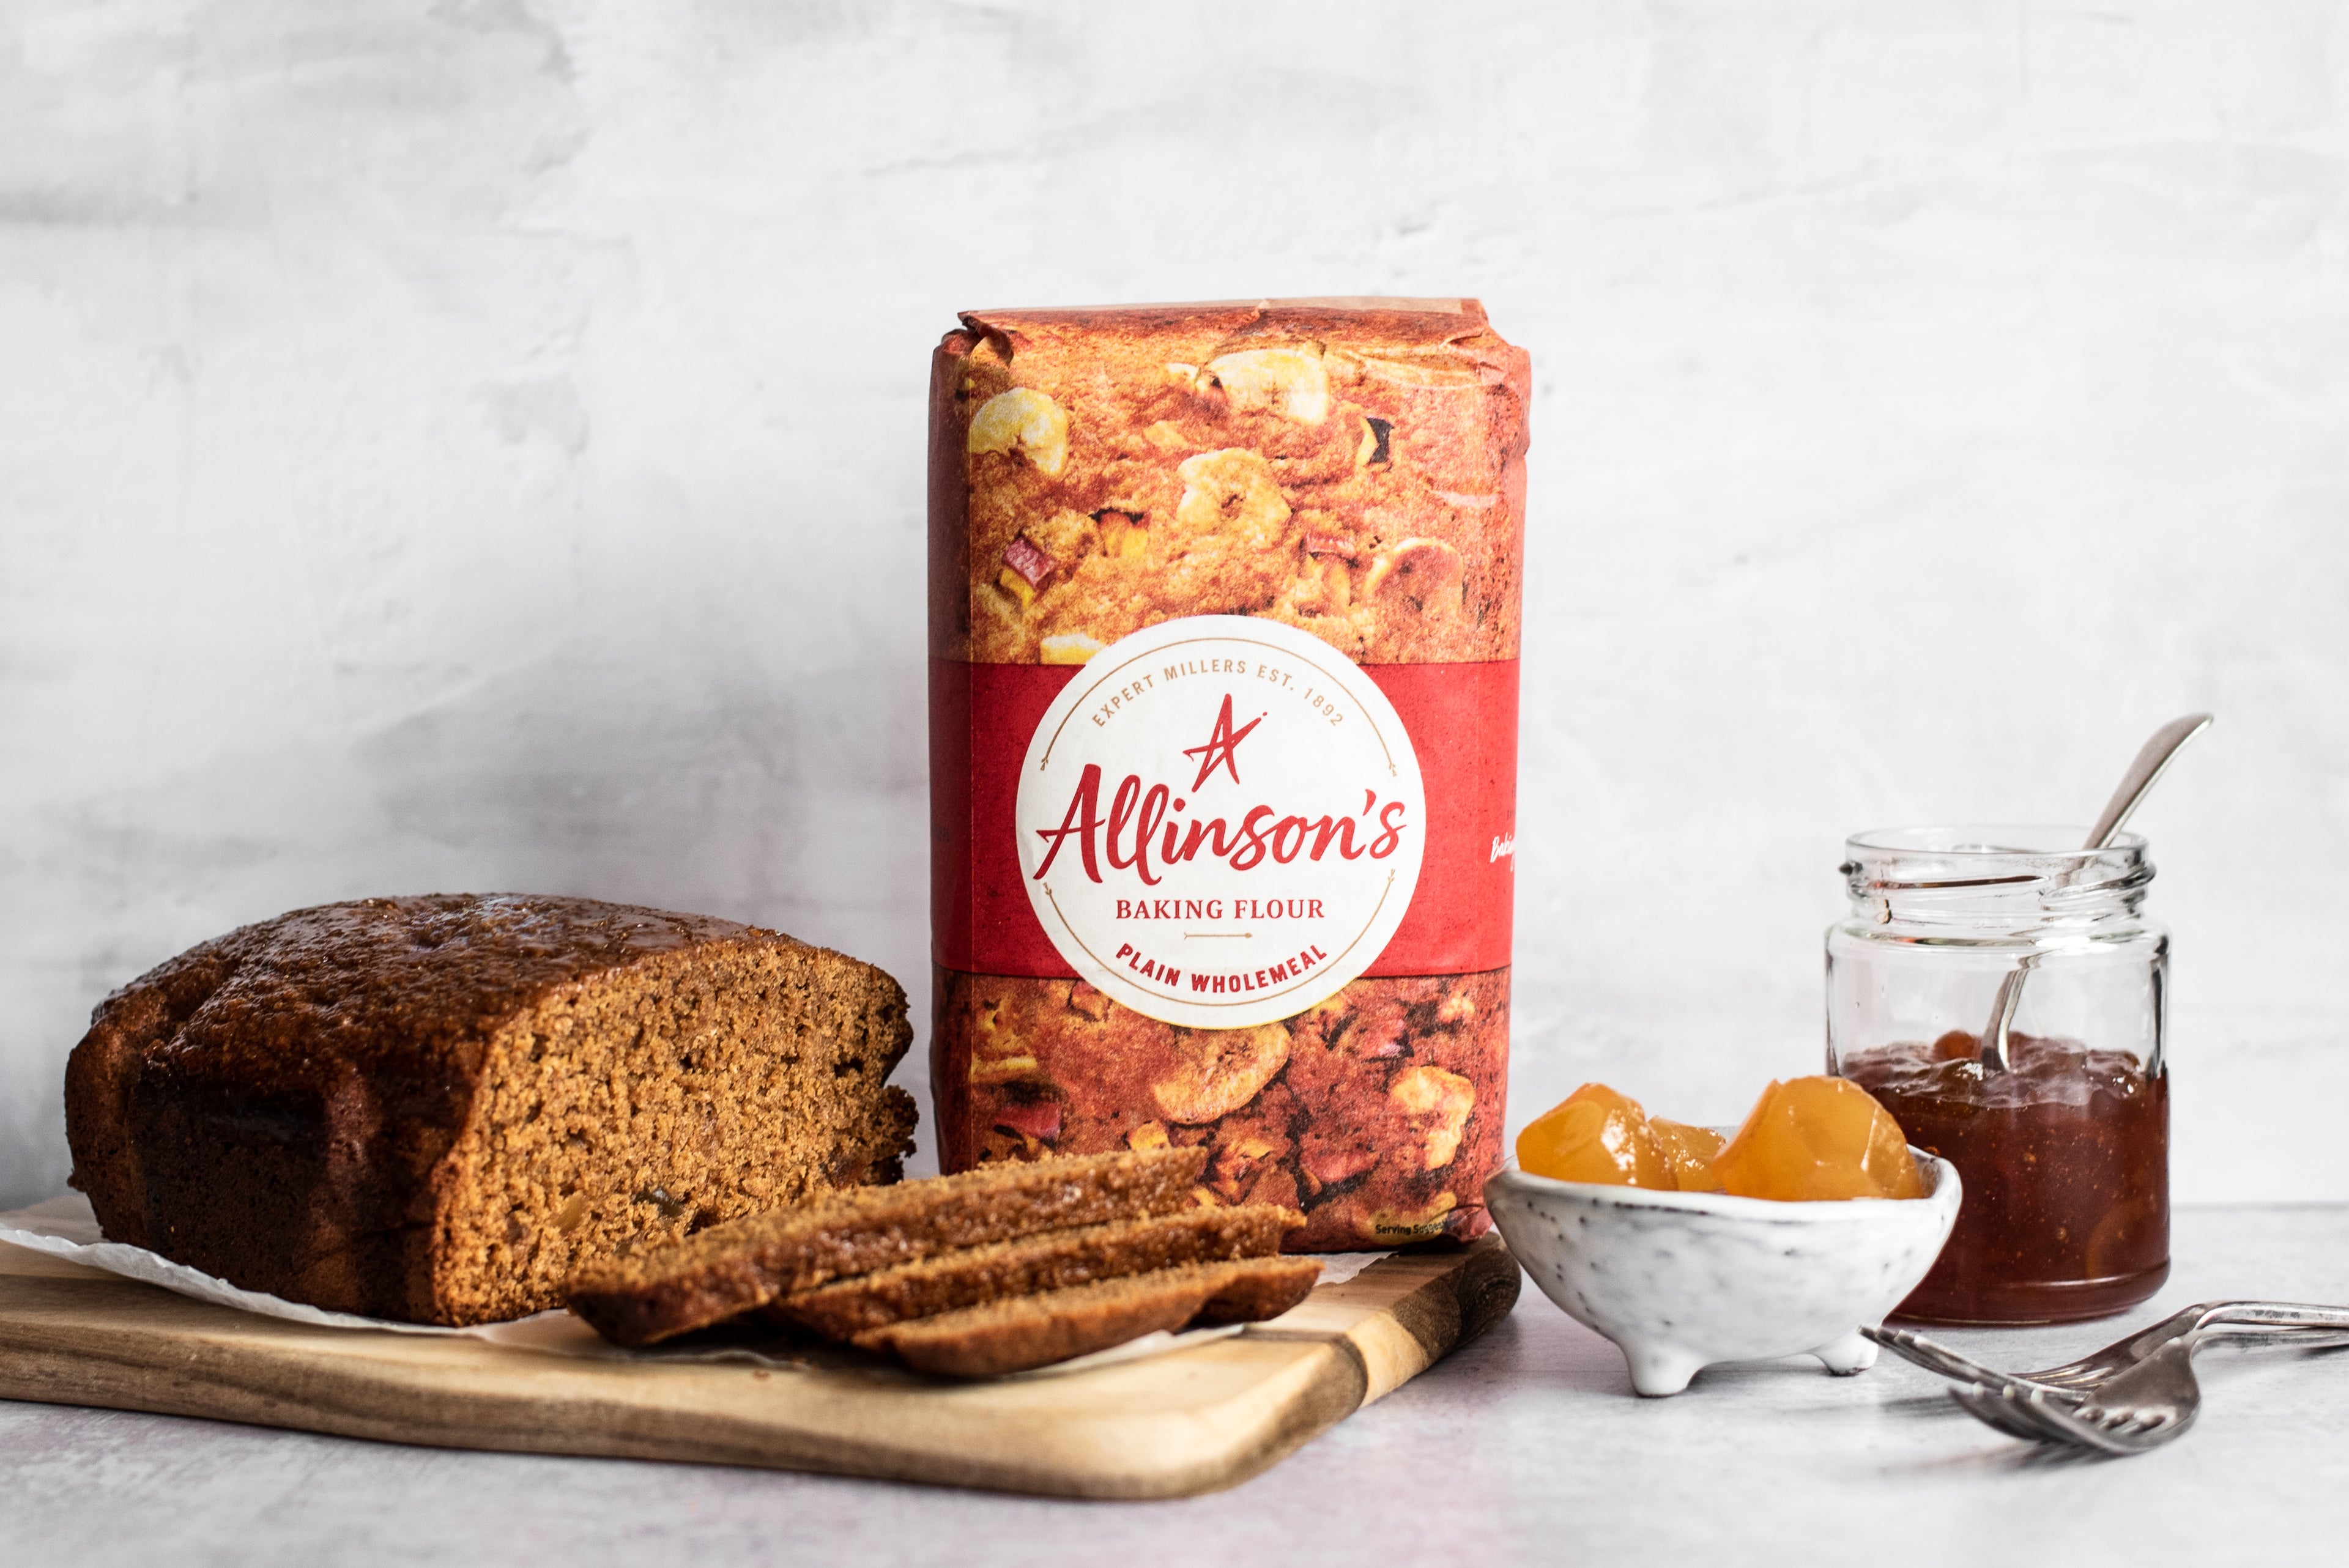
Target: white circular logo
1220,821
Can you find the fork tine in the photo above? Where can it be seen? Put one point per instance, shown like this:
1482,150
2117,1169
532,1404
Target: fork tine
2095,1363
1935,1357
1994,1410
2078,1378
1931,1355
2122,1431
2024,1411
2094,1432
2135,1420
2066,1425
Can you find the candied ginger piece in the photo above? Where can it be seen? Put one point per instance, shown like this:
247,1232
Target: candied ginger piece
1123,534
1067,648
1232,492
1957,1046
1691,1150
1811,1139
1418,569
1292,381
1595,1135
1219,1070
1033,565
1025,420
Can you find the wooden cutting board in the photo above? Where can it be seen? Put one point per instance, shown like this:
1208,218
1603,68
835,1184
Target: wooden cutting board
1190,1421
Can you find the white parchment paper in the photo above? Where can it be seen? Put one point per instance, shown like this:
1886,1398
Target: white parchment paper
65,1228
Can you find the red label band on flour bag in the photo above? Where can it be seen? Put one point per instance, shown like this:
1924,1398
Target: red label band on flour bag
1186,890
1224,615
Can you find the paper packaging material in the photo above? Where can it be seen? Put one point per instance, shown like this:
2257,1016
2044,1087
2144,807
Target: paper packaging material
65,1228
1223,617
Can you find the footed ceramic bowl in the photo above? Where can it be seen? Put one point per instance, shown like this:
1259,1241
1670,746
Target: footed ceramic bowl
1680,1281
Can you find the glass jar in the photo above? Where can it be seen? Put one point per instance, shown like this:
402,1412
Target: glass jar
2064,1155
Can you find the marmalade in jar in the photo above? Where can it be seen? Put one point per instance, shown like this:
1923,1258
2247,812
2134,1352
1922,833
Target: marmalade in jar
2066,1157
2066,1160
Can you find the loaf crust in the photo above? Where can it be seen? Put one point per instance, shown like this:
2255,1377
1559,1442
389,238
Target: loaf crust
433,1108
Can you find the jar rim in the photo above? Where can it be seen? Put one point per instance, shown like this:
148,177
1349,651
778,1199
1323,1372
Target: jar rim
1958,841
1957,868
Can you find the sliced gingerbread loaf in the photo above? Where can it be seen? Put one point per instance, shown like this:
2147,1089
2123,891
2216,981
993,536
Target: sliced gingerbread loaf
1057,1260
438,1109
1021,1332
736,1268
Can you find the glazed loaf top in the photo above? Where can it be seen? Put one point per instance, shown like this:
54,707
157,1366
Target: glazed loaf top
356,1032
1354,467
403,992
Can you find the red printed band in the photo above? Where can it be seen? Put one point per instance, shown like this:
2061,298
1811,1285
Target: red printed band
1462,720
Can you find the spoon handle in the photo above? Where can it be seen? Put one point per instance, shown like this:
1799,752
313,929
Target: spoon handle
2151,762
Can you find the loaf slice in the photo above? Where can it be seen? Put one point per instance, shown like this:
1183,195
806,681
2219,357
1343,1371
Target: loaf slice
1022,1332
731,1269
948,1281
438,1108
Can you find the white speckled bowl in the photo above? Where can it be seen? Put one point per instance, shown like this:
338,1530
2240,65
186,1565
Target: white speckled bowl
1681,1280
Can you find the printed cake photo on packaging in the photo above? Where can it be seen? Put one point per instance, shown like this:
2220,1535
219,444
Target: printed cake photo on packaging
1223,622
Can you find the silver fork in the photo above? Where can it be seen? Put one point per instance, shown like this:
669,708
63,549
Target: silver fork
2141,1408
2302,1324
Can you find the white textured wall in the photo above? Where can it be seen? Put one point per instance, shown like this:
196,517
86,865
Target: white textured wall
477,445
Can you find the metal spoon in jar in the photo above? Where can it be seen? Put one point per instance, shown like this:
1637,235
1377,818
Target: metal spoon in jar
2151,763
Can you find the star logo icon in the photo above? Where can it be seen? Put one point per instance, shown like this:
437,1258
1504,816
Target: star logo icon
1222,747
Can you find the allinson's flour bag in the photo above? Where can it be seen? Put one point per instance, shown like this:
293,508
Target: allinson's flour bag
1223,607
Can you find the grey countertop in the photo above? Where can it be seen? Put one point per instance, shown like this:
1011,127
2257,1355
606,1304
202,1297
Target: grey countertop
1525,1445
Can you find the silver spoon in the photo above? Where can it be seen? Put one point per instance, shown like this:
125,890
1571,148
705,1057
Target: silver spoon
2152,761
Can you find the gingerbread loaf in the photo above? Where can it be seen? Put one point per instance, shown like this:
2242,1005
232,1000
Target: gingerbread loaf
436,1109
1305,510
